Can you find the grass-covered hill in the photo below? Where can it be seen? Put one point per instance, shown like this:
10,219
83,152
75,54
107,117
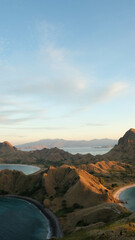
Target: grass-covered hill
77,188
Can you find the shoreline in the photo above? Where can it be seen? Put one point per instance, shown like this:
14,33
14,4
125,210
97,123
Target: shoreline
55,228
117,193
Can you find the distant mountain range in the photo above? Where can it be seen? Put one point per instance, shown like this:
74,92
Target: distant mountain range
61,143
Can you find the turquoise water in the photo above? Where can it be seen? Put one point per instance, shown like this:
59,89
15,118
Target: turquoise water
26,169
21,220
129,196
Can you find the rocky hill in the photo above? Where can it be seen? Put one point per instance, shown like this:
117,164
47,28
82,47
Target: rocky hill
125,150
128,138
6,146
74,186
78,198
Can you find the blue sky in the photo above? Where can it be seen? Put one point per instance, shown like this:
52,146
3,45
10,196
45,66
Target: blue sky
67,69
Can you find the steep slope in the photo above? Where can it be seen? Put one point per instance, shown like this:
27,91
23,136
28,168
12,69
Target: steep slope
125,150
73,186
128,138
10,154
78,198
6,146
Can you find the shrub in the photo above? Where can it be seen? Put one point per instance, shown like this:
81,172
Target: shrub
101,180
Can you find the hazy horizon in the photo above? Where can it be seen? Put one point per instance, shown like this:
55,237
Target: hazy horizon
38,140
66,69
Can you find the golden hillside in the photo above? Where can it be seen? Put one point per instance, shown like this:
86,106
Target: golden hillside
73,186
104,167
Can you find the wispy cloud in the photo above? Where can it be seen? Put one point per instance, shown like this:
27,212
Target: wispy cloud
14,112
96,124
115,89
55,80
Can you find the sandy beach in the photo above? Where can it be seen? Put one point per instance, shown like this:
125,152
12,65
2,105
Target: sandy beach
117,193
55,228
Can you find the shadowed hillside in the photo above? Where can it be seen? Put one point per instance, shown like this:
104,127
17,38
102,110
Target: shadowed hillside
44,157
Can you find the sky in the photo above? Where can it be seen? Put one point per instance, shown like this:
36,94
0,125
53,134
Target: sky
67,69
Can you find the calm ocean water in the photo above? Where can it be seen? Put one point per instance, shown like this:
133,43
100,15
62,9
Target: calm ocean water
21,220
84,150
24,168
129,196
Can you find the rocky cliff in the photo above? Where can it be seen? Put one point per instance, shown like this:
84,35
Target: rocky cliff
125,150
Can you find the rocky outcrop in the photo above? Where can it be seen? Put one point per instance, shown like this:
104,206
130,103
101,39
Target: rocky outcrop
7,147
128,138
125,150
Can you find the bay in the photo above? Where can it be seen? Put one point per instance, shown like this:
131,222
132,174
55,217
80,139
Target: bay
26,169
128,195
21,220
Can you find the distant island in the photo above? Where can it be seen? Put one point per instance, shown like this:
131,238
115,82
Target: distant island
61,143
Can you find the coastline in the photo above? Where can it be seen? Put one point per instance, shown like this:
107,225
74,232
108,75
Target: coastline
117,193
55,228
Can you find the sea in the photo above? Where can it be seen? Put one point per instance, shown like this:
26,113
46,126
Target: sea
85,150
128,195
26,169
82,150
21,220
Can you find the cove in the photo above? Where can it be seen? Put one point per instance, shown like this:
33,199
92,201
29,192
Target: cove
128,195
26,169
21,220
